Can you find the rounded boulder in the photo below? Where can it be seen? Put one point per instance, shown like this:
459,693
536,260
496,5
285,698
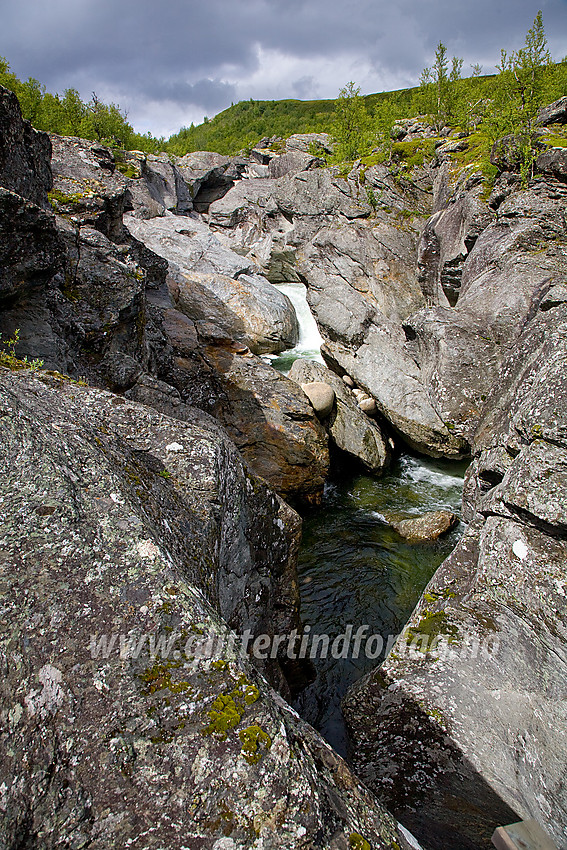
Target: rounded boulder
321,396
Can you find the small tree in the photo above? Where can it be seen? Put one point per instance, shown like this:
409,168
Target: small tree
351,127
74,111
30,94
470,100
523,76
106,123
438,87
384,119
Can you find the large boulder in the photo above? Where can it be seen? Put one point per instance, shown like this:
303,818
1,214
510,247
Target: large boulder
349,428
272,423
246,197
555,113
129,715
208,176
248,220
428,526
308,142
553,161
371,263
292,162
189,244
383,365
215,286
319,193
460,710
248,310
24,153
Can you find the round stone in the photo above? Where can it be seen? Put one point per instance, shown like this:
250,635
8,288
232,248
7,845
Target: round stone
321,396
368,405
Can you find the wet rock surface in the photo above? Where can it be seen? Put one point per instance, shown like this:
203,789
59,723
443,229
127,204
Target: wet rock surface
321,396
272,423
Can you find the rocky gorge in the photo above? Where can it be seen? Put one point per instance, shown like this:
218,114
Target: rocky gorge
154,464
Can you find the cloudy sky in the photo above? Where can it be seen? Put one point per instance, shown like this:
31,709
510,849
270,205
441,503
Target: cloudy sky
172,62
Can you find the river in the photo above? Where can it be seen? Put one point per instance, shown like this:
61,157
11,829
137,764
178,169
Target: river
354,569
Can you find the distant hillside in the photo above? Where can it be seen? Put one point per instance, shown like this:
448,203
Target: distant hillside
244,123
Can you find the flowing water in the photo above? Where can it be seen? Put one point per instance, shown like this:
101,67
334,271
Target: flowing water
310,339
354,569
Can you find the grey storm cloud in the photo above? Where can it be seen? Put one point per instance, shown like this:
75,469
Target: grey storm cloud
210,94
204,54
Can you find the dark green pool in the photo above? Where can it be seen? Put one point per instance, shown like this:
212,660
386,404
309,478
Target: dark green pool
355,570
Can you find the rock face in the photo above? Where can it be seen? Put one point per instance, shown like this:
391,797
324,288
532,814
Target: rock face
449,236
87,186
292,162
460,712
553,161
158,187
30,251
507,262
119,522
208,176
24,153
362,288
349,428
555,113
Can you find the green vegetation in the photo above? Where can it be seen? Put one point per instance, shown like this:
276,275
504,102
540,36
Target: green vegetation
352,125
227,710
484,108
255,742
431,625
68,115
357,842
158,677
413,153
8,357
240,126
438,87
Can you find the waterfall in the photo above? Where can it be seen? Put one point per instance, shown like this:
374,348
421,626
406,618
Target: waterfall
310,339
